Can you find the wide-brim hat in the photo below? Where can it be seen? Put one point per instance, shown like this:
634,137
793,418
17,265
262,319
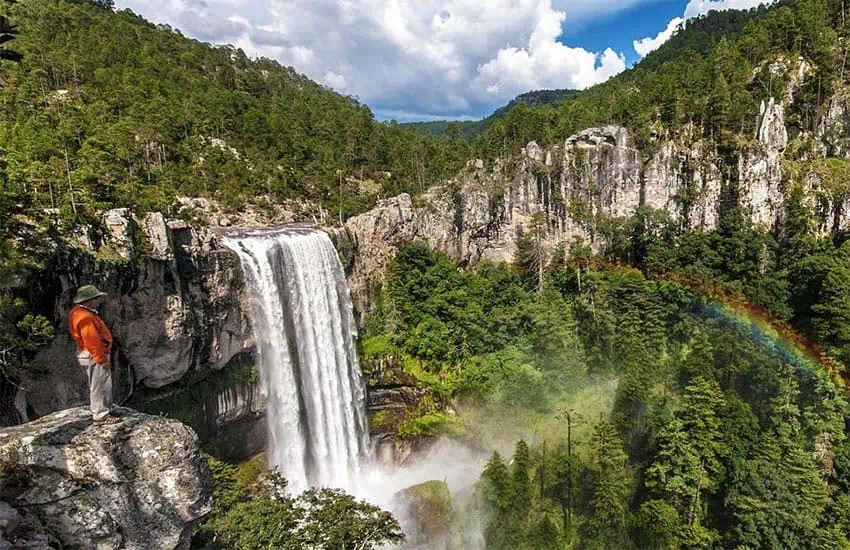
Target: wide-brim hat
86,293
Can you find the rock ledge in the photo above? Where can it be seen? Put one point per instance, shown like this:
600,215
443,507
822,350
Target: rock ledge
140,483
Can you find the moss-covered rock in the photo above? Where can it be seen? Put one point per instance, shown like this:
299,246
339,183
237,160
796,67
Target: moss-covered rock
427,514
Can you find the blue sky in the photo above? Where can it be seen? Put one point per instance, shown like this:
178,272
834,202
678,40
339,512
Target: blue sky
620,29
437,59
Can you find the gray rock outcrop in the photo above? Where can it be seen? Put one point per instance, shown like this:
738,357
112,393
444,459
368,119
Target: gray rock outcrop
174,306
597,174
140,483
760,167
426,513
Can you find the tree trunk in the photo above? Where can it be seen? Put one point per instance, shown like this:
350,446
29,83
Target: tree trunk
70,185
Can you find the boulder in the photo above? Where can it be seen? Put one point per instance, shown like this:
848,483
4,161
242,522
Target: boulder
139,483
426,512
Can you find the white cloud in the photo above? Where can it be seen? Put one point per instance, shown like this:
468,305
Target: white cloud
695,8
545,63
415,57
650,44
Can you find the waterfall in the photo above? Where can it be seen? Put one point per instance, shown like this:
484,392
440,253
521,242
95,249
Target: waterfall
304,326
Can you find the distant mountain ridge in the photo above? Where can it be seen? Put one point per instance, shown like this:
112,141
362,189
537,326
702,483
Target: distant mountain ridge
469,129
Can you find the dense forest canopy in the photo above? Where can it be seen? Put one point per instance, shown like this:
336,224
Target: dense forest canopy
106,109
660,414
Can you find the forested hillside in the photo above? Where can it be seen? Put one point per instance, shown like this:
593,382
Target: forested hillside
654,412
709,77
106,109
670,386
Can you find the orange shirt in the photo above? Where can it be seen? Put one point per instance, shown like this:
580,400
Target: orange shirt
90,333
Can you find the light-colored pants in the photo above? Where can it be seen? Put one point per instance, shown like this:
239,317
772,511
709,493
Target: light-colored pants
100,391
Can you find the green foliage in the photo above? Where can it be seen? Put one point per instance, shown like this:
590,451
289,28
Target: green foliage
333,520
610,485
253,514
658,524
822,297
92,120
496,483
520,480
451,130
430,425
22,332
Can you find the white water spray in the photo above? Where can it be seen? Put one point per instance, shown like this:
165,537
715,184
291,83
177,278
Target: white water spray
304,325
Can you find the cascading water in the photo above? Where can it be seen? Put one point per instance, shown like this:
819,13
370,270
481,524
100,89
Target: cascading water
305,331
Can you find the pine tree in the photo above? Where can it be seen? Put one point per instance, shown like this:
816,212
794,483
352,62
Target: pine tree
496,482
521,481
564,468
608,519
778,498
700,411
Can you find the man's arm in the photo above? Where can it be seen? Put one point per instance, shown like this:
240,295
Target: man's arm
92,342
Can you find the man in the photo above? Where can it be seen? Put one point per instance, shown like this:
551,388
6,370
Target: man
94,345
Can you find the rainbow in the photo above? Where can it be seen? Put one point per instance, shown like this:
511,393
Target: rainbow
740,314
780,340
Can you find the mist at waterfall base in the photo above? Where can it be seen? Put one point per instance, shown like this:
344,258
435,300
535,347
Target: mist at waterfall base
305,331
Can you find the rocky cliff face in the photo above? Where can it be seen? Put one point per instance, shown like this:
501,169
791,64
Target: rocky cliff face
176,312
173,306
70,483
596,174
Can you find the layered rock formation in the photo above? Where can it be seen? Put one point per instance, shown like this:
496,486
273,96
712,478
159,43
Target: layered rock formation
67,482
595,175
393,398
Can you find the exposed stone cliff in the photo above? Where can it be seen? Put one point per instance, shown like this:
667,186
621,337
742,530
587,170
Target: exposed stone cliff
175,309
67,482
595,175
